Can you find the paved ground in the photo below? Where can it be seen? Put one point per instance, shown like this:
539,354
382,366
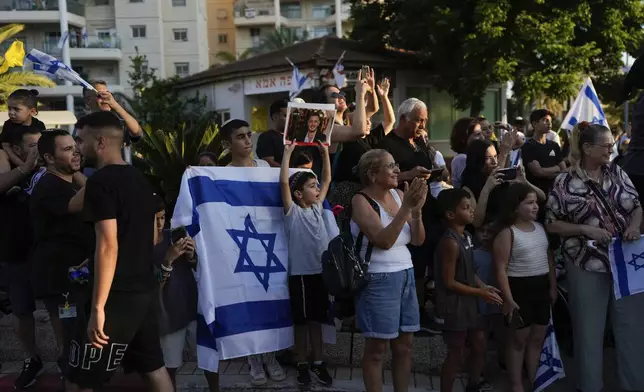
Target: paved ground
428,355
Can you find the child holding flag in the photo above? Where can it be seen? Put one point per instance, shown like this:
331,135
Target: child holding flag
307,233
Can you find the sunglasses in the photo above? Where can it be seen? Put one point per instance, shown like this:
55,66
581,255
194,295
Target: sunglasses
338,95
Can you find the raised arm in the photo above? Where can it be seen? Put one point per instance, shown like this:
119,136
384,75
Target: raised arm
285,188
358,126
130,122
372,105
325,181
388,109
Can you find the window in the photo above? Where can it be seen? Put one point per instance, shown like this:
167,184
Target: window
101,2
138,31
178,3
182,69
292,11
223,38
320,11
224,115
180,34
255,32
144,66
320,31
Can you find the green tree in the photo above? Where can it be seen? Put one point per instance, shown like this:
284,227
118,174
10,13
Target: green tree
281,38
176,128
228,57
543,46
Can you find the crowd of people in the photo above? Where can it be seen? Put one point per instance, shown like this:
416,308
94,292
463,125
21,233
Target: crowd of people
84,232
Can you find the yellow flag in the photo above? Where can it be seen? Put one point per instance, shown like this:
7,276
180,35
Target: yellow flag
13,57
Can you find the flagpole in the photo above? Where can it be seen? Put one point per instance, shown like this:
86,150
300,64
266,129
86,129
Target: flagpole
64,29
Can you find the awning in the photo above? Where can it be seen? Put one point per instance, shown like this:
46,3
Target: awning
52,119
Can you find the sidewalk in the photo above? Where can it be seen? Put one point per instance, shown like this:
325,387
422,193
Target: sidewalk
233,376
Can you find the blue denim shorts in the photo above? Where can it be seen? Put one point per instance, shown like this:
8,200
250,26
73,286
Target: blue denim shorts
388,305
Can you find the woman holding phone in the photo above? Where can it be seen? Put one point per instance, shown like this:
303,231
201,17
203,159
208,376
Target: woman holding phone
485,181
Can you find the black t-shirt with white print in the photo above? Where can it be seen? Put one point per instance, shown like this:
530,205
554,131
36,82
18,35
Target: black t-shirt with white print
547,154
122,192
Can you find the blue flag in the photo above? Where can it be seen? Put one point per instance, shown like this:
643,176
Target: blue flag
585,108
550,365
627,266
236,218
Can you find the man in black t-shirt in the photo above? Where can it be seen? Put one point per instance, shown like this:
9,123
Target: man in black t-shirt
122,328
62,239
270,144
542,157
16,240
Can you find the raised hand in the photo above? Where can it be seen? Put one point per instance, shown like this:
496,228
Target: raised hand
383,87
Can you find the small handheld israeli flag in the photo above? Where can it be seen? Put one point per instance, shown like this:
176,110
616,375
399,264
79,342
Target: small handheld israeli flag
338,73
627,266
550,365
585,108
48,65
236,218
299,82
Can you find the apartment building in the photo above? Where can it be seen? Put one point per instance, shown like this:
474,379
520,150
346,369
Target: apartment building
221,28
255,19
171,33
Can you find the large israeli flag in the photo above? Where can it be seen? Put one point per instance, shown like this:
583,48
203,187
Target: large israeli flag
550,365
585,108
627,266
236,217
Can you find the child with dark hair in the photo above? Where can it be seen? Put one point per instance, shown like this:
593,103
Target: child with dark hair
23,106
457,290
307,233
526,276
237,138
303,160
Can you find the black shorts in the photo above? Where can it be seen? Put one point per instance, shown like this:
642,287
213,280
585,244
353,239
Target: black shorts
532,294
309,299
132,327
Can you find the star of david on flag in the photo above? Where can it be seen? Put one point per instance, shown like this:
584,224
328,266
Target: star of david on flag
585,108
236,218
627,266
550,365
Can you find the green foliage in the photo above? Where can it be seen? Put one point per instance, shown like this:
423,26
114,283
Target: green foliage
177,129
544,46
280,38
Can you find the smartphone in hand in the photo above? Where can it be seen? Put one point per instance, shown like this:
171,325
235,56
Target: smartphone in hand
178,233
436,175
509,173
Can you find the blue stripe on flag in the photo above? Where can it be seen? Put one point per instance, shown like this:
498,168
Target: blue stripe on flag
594,99
573,121
236,193
620,265
243,317
547,378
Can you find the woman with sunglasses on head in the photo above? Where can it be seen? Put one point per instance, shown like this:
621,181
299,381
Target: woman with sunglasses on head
596,201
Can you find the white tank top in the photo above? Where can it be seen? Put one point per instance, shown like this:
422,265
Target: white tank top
529,253
395,259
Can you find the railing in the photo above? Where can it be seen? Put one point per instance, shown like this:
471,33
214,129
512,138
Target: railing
94,41
73,6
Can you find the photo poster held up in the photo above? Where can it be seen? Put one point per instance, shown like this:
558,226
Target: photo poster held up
309,123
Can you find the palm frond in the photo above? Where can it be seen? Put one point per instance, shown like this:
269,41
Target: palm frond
10,30
226,57
13,80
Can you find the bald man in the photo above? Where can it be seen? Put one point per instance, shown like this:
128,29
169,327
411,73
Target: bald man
121,327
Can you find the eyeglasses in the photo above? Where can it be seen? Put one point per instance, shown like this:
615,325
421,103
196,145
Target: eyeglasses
391,165
608,146
338,94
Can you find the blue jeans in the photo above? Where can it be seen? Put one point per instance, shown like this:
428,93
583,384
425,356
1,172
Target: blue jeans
388,305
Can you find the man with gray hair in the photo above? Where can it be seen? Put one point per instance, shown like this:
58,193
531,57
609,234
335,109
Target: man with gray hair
416,159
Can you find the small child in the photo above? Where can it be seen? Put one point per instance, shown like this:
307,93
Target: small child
526,275
457,290
22,105
491,316
307,239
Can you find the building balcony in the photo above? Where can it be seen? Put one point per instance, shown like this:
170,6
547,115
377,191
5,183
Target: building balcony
40,11
92,48
250,14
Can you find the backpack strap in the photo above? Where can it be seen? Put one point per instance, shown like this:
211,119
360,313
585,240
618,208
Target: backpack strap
360,237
